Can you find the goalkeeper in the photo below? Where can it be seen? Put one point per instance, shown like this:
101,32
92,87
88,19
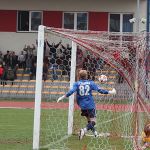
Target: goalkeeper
83,89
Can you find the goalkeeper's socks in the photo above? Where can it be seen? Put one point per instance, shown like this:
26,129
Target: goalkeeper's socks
95,133
90,126
85,130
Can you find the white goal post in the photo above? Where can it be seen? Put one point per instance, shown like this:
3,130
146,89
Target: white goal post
38,89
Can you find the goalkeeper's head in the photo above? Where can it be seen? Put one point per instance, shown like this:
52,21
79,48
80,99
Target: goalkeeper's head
82,74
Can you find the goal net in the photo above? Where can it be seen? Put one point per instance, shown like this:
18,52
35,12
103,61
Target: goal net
123,58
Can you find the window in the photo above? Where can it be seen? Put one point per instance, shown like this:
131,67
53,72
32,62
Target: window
75,21
127,26
29,20
69,20
82,21
120,23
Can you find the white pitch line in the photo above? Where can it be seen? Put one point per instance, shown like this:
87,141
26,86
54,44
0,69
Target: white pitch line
108,135
14,108
58,141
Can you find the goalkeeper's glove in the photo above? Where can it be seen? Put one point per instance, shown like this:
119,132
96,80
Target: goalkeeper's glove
113,91
61,98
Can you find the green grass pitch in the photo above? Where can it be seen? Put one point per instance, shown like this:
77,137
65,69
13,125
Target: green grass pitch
16,128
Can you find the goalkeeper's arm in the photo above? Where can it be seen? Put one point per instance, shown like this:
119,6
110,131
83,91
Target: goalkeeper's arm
102,91
61,98
113,91
70,92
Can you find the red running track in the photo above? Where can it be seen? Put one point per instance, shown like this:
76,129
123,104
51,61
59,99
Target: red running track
61,105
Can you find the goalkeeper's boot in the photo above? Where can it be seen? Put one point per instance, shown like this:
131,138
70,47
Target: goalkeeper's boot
81,134
95,134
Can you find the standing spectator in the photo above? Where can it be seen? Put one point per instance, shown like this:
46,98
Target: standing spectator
29,50
13,60
15,71
7,58
90,64
147,65
21,60
45,71
100,63
33,71
54,68
4,76
10,74
1,72
147,68
53,56
53,51
30,62
1,58
79,61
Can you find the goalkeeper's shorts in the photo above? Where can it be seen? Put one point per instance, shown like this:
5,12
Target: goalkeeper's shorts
90,113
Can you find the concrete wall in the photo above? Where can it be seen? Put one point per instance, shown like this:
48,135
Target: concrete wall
72,5
15,41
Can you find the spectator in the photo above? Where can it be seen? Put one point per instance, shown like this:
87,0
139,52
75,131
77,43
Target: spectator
53,57
1,73
100,63
15,70
1,57
45,71
4,76
147,65
79,61
53,51
54,68
120,78
7,58
33,71
13,60
90,65
10,74
21,60
29,50
29,62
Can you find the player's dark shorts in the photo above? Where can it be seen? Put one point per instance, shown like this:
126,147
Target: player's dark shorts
91,113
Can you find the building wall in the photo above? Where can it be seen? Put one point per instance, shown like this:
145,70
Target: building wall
71,5
12,40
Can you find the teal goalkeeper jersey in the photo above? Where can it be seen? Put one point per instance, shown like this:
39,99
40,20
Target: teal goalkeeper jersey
83,89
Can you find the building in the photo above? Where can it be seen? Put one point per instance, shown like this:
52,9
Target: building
20,19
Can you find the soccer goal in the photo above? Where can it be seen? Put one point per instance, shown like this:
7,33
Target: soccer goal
120,118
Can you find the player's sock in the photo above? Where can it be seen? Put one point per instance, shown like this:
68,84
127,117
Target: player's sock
81,134
95,133
90,126
85,130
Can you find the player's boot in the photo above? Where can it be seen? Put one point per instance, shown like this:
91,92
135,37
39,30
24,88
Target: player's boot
81,134
95,134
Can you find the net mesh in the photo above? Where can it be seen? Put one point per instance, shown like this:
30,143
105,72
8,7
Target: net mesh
124,59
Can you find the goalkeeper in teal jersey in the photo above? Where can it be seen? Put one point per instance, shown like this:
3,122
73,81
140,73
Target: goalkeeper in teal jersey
83,89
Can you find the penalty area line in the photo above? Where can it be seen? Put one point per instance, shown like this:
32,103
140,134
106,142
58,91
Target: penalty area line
109,135
58,141
15,108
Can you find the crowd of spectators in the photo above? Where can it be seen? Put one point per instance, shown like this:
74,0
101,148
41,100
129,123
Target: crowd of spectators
59,57
10,62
